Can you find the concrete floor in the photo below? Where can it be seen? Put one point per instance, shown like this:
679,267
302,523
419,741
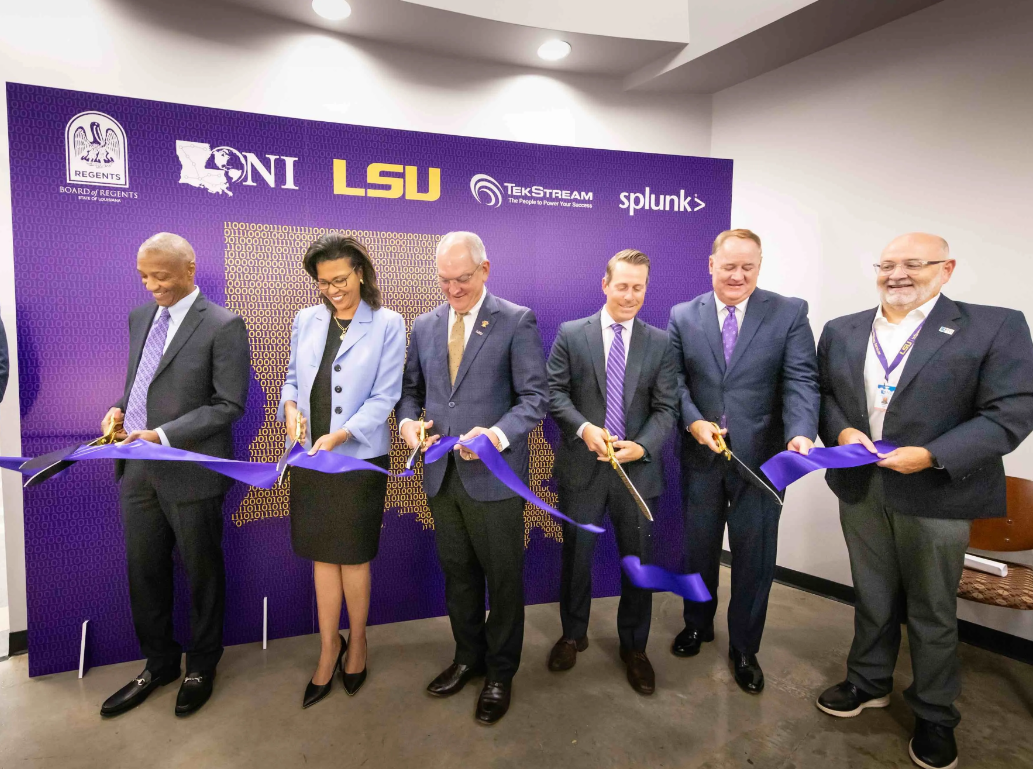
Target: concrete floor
588,717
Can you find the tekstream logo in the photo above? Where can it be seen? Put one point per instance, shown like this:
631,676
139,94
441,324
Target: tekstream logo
489,192
96,151
218,169
647,201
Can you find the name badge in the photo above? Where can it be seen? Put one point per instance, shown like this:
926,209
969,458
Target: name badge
882,402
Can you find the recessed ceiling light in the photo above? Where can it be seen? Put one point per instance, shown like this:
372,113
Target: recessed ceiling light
334,10
554,50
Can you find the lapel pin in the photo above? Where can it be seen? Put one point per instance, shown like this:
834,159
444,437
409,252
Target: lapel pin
479,333
484,324
947,331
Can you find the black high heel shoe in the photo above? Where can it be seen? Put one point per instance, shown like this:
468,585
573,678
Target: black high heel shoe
353,681
314,692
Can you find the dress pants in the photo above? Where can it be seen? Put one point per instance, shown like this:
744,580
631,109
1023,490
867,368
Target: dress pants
481,544
634,537
153,524
894,556
711,498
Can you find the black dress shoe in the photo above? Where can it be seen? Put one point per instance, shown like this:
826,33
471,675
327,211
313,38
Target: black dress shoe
137,690
933,746
640,671
195,691
454,678
564,654
353,681
844,700
315,692
493,702
748,674
688,641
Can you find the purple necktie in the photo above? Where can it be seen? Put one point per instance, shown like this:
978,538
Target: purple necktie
729,333
153,349
729,336
615,385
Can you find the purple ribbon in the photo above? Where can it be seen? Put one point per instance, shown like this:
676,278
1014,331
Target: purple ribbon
264,474
485,450
648,577
788,466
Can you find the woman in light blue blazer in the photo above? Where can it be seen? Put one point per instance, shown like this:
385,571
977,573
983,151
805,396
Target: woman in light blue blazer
344,379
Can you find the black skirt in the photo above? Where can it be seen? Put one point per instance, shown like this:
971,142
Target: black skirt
336,517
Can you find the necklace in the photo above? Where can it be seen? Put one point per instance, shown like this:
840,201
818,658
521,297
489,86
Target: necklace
344,329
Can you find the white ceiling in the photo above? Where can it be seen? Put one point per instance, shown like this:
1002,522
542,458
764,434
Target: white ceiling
688,46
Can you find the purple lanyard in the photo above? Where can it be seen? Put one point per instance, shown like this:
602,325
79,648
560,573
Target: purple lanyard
888,367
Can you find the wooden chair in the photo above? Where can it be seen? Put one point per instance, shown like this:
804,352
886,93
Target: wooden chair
1010,534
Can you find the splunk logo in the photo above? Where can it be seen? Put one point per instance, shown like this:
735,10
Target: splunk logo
647,201
486,190
388,180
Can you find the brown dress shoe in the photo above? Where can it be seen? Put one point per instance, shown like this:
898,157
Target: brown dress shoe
640,671
564,654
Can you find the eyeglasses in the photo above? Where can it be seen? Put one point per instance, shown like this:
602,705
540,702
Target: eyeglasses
911,266
462,280
340,281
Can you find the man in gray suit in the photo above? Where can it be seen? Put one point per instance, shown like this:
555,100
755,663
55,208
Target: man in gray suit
951,385
611,378
186,384
476,366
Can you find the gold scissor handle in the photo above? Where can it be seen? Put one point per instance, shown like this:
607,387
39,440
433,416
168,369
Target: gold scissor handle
609,449
423,432
114,428
298,427
720,441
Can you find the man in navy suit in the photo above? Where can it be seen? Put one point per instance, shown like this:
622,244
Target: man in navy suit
951,385
476,366
749,373
611,376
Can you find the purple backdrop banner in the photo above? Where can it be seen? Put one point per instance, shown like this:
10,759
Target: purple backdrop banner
92,176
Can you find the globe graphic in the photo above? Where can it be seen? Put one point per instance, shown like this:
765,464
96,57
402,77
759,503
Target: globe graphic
229,160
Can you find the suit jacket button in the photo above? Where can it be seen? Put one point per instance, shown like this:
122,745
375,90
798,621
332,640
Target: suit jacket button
338,410
452,405
337,389
337,367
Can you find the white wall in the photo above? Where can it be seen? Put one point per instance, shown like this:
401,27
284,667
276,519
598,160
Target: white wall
202,53
923,124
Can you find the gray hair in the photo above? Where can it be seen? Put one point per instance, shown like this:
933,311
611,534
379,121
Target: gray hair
471,240
170,244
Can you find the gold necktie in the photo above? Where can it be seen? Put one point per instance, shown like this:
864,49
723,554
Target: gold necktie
456,345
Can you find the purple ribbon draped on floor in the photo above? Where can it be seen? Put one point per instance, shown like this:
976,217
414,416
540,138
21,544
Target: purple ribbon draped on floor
789,466
649,577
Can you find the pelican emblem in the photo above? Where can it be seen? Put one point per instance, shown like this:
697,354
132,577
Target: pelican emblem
94,150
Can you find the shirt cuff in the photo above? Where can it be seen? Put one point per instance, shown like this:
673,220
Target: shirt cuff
162,437
402,423
581,429
503,440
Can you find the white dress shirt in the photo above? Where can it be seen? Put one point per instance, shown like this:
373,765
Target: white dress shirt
177,312
607,323
891,339
722,312
469,321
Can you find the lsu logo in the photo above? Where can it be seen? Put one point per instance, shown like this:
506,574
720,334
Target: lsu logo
388,180
95,151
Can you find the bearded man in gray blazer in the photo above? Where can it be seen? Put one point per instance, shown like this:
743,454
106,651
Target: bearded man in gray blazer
476,366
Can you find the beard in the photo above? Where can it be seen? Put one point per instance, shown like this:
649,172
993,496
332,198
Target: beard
916,296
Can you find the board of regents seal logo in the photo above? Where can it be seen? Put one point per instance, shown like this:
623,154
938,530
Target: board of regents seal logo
218,169
95,151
